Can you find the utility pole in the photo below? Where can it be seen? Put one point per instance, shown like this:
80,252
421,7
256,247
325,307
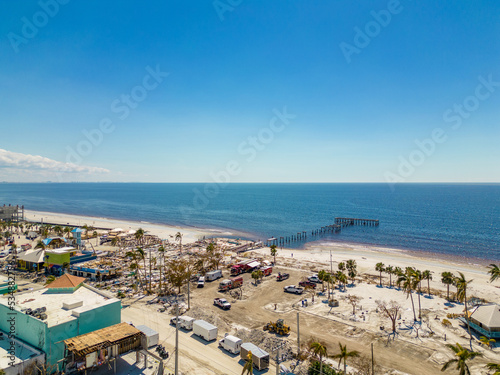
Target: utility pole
177,340
373,370
278,356
298,336
189,299
331,263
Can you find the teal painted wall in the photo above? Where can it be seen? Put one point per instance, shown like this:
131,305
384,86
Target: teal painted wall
36,333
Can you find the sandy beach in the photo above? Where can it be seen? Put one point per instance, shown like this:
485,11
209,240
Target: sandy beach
167,232
423,349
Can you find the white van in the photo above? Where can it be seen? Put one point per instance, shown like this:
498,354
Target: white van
201,282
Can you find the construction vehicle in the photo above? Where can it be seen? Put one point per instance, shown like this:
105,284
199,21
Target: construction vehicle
279,327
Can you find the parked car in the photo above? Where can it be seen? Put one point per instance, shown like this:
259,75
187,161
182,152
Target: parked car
282,276
222,303
293,289
315,279
201,282
309,284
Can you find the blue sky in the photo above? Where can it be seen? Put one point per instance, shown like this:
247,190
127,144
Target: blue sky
204,76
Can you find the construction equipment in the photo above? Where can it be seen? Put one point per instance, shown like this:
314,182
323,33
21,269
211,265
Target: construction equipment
279,327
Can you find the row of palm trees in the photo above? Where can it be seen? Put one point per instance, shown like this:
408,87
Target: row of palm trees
320,351
346,270
398,272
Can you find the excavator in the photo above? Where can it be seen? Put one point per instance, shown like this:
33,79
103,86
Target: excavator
279,327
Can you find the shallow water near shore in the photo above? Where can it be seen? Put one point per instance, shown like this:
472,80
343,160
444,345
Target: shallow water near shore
460,220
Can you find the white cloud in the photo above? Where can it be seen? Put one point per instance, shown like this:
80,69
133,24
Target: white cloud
9,159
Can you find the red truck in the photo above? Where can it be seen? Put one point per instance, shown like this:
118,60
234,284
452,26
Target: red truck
267,270
244,266
227,284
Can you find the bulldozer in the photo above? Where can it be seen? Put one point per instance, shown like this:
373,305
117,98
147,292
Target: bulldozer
279,327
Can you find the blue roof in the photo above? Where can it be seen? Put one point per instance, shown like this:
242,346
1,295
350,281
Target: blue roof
49,240
77,230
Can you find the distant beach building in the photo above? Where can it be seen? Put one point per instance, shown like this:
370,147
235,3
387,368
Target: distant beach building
31,260
486,321
77,235
11,213
66,308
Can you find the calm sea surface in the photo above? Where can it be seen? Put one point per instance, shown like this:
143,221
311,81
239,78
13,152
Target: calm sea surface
454,219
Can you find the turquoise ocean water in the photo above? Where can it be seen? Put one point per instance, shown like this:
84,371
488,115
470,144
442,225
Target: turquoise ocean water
452,219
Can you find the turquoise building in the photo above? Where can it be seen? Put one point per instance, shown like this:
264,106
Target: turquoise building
4,286
65,308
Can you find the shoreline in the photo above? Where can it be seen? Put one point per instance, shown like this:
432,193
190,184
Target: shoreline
190,233
193,233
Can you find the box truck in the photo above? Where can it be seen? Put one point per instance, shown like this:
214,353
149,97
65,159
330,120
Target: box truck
186,322
231,343
260,357
213,275
205,330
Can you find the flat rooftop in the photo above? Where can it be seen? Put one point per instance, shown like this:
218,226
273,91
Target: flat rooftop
81,300
23,351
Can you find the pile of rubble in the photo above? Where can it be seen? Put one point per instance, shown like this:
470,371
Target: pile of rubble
266,341
204,314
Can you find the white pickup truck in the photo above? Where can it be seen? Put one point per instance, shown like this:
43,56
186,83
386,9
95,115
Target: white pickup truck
293,289
222,303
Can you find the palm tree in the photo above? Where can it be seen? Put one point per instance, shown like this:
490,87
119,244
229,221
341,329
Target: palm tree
344,354
50,279
494,367
342,278
341,266
408,283
427,275
487,342
417,281
323,275
161,250
178,237
379,267
94,234
398,272
462,355
319,350
494,272
257,274
351,268
248,368
67,231
390,271
139,235
274,252
65,267
461,283
447,278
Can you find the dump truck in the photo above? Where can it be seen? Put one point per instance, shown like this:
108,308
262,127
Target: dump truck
227,284
205,330
260,358
231,343
279,327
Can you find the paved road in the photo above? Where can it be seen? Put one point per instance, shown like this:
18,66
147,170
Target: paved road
195,355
